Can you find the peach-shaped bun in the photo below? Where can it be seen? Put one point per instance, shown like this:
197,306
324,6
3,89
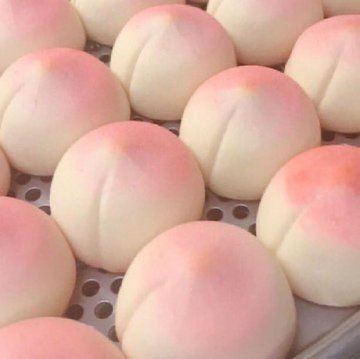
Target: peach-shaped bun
309,218
104,19
205,290
243,124
164,53
325,62
49,99
120,186
37,267
55,338
5,174
340,7
30,25
264,31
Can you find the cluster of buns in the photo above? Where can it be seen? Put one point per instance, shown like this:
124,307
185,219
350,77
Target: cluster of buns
127,196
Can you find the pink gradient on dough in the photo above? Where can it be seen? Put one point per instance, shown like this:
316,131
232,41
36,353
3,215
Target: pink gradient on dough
37,267
150,147
325,62
4,174
164,53
334,166
215,293
255,119
326,37
314,232
55,338
334,180
116,177
264,32
30,25
62,92
331,211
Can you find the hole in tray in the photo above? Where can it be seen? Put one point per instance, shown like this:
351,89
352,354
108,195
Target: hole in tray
90,288
328,136
46,179
105,58
175,131
214,214
252,229
46,209
80,265
103,310
115,285
22,178
33,194
91,46
112,334
241,212
351,135
75,312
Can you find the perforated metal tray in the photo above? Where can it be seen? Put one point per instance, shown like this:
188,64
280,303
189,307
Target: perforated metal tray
323,332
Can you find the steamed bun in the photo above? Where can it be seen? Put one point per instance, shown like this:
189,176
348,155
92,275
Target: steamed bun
243,124
309,219
205,290
325,63
121,185
164,53
264,31
37,267
49,99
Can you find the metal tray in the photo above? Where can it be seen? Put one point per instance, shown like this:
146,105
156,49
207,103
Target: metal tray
323,332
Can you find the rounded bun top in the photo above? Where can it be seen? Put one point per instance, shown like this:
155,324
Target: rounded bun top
319,190
331,34
153,150
264,31
103,20
320,170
